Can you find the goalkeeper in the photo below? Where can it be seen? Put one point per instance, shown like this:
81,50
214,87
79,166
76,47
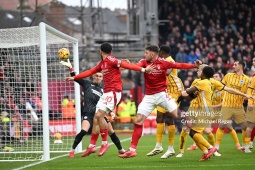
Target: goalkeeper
92,91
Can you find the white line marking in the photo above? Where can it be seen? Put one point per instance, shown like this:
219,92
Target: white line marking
36,163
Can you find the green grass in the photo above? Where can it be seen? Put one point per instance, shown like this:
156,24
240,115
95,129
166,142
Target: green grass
231,158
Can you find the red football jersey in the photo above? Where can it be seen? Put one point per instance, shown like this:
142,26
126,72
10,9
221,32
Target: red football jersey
155,82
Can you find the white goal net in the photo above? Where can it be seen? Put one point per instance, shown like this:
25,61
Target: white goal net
38,109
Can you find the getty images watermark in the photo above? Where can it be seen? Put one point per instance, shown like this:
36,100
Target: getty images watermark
203,117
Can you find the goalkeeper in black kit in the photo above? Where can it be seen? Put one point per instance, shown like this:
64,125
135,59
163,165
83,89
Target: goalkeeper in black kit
92,91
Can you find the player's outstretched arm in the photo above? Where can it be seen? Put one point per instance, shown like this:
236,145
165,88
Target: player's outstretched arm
135,67
233,91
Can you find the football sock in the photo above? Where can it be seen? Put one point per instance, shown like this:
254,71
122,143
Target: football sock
247,141
243,136
252,134
137,133
159,132
201,147
78,138
211,139
219,135
93,139
116,140
171,133
104,135
234,136
183,140
198,138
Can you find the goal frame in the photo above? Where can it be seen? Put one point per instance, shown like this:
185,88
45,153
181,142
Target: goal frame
44,81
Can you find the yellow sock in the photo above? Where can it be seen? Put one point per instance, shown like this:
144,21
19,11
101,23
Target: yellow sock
159,132
201,147
183,140
198,138
211,139
171,133
234,136
247,141
243,136
219,135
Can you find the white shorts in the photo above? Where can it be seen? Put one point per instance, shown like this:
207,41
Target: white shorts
150,102
108,101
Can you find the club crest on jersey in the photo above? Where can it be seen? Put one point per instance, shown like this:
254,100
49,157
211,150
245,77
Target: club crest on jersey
85,117
158,66
218,94
241,82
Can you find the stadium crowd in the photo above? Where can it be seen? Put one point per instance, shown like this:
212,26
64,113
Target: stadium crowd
217,32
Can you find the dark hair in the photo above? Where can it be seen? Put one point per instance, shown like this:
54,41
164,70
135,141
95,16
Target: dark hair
208,72
106,48
220,74
241,62
165,49
152,48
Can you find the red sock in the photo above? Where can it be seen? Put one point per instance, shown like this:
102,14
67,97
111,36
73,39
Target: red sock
93,138
104,134
252,134
138,130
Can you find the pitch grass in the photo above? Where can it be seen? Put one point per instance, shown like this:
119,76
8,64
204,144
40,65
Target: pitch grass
231,158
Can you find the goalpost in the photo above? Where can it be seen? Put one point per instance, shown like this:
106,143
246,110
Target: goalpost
36,121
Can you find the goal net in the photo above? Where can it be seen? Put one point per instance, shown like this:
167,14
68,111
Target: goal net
38,108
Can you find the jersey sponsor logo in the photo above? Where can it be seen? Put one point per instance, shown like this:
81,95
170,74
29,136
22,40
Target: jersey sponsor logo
96,92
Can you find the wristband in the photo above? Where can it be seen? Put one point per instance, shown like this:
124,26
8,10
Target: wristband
143,70
71,69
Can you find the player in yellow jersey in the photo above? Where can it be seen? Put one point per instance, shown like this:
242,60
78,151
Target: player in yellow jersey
232,105
217,98
174,89
200,115
250,114
216,85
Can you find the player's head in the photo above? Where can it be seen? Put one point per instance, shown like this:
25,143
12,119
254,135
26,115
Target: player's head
97,78
200,69
207,72
218,76
105,48
151,52
238,66
164,51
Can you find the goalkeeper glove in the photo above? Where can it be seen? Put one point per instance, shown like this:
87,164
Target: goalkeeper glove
67,64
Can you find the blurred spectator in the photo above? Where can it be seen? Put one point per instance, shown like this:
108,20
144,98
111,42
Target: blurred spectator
192,57
181,55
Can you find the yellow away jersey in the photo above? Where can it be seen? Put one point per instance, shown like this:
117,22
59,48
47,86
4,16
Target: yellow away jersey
217,97
218,93
173,81
205,92
195,102
236,82
250,91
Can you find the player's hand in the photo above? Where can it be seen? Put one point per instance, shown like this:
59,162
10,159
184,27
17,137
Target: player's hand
248,97
250,107
197,63
67,64
150,68
69,79
112,115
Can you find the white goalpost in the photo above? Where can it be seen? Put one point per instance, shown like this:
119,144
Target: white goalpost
38,109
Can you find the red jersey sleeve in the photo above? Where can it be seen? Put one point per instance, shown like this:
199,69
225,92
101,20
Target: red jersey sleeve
169,64
130,66
88,73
